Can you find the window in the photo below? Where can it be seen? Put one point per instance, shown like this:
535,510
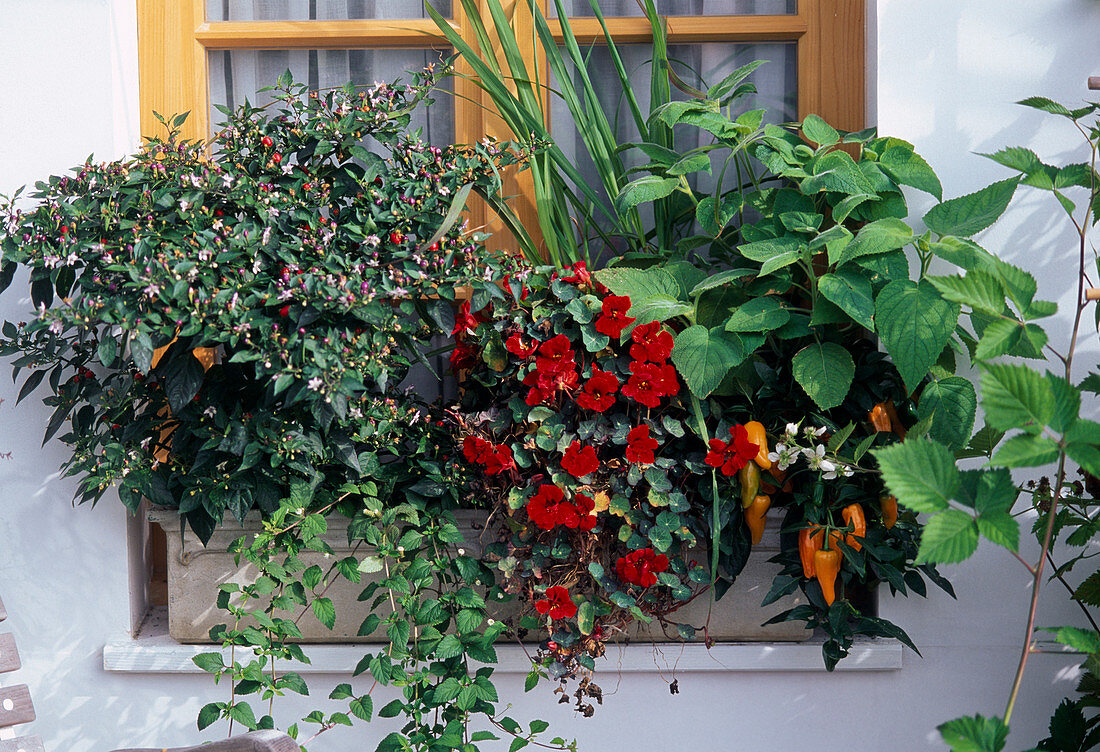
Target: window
197,53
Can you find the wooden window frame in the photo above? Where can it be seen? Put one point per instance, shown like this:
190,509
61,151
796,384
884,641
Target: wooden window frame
175,39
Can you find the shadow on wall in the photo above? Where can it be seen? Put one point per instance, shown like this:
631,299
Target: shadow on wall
948,76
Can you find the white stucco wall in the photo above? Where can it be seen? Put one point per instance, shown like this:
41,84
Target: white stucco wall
945,76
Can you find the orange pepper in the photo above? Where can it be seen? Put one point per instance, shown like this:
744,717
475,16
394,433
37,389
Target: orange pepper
853,515
756,516
889,507
879,418
749,476
808,544
758,436
826,569
895,419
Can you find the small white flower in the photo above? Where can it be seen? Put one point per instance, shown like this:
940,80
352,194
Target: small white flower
210,412
784,455
315,383
71,259
184,206
791,433
152,290
813,433
56,327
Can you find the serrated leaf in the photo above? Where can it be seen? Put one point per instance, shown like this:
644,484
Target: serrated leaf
951,404
1000,337
979,290
915,324
881,236
825,372
851,291
921,473
704,356
1025,450
906,167
819,132
970,214
1000,528
975,734
1082,640
761,314
948,537
657,307
209,714
644,190
1088,592
1015,396
325,611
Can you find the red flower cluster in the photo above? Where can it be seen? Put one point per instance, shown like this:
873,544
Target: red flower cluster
557,603
580,461
641,567
548,509
464,357
735,454
651,343
649,382
613,318
640,446
555,370
652,376
495,457
599,391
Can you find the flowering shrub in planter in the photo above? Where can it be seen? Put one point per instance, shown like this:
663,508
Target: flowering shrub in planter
220,324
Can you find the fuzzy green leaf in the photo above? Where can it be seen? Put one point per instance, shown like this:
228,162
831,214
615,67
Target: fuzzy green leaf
948,537
970,214
921,473
915,324
825,372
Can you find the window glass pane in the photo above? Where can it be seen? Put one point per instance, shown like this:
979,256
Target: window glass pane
322,10
699,65
239,74
612,8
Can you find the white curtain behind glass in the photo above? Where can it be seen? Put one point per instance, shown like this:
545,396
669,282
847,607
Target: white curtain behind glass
322,10
682,7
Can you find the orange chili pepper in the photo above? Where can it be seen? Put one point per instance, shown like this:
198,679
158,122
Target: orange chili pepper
895,419
879,418
853,515
758,436
889,507
808,544
756,516
826,569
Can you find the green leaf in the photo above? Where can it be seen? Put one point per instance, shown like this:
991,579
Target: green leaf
881,236
1001,529
818,131
586,617
979,290
951,404
906,167
975,734
915,324
1046,105
921,473
836,171
1085,455
758,315
970,214
325,611
141,350
1067,404
850,290
1082,640
774,253
1088,592
211,663
948,537
1000,337
1015,396
825,372
1025,450
657,307
362,707
643,190
209,714
704,356
639,284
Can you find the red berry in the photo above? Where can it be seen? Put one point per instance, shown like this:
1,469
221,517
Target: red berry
64,229
396,238
276,158
551,645
284,311
433,247
267,142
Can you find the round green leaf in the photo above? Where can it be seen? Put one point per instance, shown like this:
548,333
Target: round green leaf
825,371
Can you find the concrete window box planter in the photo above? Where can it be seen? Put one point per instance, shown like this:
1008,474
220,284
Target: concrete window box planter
195,572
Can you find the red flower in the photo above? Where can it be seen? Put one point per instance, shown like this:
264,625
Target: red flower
548,509
555,354
522,287
580,461
495,458
585,505
613,319
599,391
669,382
466,322
647,383
581,276
639,446
463,357
557,604
732,456
641,567
544,384
514,344
652,343
537,396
